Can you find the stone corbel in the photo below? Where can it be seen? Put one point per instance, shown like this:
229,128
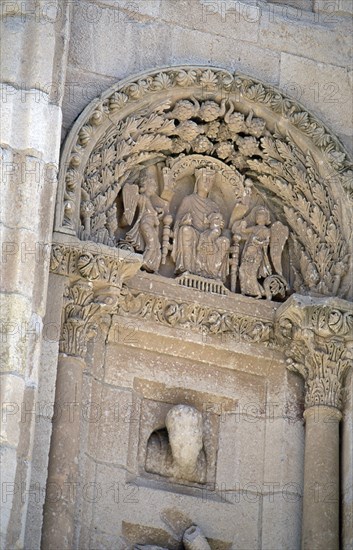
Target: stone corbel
317,336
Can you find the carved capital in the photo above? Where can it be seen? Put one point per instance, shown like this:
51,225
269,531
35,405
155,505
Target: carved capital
83,313
317,336
94,263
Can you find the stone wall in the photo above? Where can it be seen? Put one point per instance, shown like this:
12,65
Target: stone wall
55,60
307,54
249,402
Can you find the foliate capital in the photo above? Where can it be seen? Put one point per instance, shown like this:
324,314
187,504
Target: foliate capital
317,335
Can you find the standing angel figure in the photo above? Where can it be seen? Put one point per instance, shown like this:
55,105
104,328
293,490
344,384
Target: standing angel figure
144,235
255,262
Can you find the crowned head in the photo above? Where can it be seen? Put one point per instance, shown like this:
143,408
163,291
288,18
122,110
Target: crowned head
204,180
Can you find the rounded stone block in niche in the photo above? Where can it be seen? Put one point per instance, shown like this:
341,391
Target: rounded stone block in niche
177,443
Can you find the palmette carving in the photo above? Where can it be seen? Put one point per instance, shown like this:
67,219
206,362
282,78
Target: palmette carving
192,316
99,266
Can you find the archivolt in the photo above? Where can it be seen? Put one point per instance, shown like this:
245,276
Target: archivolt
299,168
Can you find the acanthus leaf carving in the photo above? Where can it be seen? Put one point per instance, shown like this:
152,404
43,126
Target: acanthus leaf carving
319,346
82,313
95,263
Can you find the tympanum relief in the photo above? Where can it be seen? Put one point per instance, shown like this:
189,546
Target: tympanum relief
177,166
197,219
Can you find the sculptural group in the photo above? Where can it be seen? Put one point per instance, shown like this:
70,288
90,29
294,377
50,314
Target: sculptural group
200,241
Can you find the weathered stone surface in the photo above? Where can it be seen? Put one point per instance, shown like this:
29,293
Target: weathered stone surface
324,88
234,20
37,73
234,54
81,86
12,389
28,122
16,313
307,36
87,47
124,364
284,531
28,193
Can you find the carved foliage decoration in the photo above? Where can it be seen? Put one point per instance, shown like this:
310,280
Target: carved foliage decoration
192,316
319,346
126,175
94,264
83,311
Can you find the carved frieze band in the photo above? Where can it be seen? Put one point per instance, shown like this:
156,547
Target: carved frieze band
201,319
91,262
319,342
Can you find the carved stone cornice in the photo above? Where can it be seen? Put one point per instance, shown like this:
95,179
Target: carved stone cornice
317,335
94,263
202,319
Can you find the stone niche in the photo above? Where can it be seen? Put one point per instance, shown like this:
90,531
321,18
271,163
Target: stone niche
194,428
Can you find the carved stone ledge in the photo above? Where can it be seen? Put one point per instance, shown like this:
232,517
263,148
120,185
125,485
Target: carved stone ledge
163,301
317,336
95,263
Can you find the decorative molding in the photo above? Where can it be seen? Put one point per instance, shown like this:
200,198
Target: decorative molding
92,262
298,169
82,314
206,320
318,339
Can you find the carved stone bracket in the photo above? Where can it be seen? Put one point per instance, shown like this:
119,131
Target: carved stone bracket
317,336
96,263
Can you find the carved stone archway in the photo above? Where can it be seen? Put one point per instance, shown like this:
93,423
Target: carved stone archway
264,152
299,169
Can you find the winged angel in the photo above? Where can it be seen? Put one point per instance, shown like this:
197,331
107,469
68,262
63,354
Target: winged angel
144,235
260,239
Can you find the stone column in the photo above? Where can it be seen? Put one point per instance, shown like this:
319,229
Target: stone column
317,333
90,298
82,316
34,47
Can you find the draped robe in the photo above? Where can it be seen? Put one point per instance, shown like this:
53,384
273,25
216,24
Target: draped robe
193,213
